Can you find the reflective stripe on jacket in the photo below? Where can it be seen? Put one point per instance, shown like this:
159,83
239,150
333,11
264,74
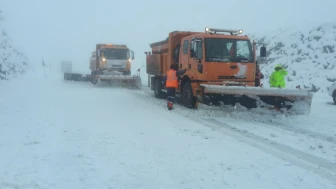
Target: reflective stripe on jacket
171,79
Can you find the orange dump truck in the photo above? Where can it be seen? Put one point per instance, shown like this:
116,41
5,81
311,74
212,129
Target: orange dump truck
221,68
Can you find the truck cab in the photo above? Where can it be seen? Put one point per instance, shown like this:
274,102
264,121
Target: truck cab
218,58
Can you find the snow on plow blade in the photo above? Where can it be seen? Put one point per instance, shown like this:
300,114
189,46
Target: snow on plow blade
296,101
130,81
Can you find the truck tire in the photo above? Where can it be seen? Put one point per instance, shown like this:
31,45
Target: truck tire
158,88
94,81
127,73
93,78
188,98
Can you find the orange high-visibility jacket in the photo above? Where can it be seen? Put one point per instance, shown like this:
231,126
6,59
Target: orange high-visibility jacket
171,79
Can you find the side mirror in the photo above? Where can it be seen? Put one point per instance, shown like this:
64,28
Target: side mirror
200,67
130,55
262,51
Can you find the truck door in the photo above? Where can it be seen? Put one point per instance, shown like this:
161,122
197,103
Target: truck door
184,54
196,55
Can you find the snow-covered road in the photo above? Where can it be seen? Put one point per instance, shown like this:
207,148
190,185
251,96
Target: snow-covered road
57,134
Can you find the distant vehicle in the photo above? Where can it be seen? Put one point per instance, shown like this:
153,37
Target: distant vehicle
111,58
332,92
109,63
66,66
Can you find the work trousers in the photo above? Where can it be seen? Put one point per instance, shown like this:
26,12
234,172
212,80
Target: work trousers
171,94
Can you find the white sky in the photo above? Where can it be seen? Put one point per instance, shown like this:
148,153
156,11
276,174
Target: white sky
69,29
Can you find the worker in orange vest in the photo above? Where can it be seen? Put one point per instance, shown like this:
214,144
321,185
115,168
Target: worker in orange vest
171,83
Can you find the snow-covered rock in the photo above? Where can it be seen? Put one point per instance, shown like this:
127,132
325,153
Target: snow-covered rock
309,55
12,62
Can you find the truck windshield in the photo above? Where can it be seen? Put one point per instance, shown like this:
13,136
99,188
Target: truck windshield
116,54
228,50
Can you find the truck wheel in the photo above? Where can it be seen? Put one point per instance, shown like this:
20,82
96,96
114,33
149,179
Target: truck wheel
93,78
127,73
94,81
334,97
158,89
188,98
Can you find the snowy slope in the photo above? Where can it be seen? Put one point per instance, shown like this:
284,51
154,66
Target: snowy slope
308,54
75,135
12,62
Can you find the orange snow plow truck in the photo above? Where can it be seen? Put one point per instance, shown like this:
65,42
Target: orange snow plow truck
109,63
112,63
221,67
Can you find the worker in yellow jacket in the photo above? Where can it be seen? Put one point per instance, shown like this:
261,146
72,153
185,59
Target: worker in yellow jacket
277,78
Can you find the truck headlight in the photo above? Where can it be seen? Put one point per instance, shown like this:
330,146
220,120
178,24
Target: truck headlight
103,59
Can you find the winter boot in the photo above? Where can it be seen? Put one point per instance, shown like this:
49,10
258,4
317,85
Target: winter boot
170,105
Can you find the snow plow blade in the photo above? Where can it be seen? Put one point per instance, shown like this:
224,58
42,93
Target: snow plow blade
294,101
77,77
115,80
121,80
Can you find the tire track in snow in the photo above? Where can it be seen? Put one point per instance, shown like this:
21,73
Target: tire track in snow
278,124
146,92
315,135
296,157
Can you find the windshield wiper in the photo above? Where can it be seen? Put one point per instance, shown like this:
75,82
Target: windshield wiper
219,59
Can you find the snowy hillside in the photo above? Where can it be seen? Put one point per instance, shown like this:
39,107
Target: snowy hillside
12,62
308,55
